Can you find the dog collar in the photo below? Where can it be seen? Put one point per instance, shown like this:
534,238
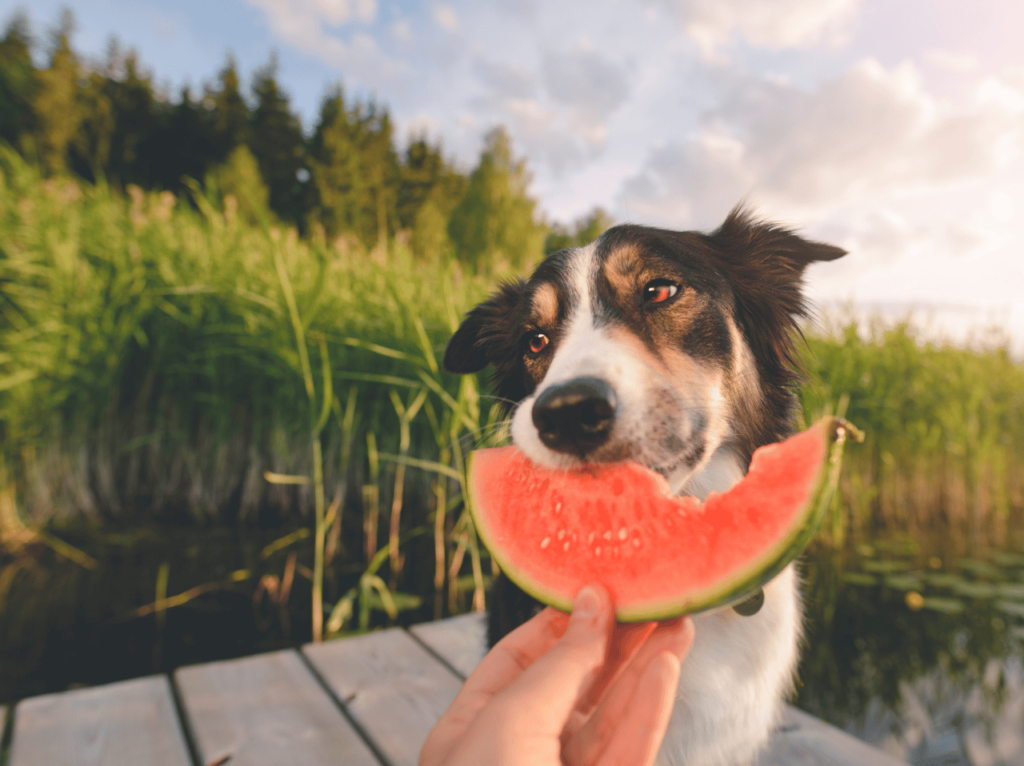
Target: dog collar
752,605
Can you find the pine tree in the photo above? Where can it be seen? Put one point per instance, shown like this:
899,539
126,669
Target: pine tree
119,134
334,164
584,231
379,161
55,101
277,143
188,144
90,151
354,170
227,113
494,221
135,107
428,191
17,81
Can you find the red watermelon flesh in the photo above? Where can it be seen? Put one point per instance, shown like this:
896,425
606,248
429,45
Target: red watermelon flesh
659,556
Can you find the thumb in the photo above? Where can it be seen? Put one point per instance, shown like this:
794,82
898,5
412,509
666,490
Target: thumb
562,676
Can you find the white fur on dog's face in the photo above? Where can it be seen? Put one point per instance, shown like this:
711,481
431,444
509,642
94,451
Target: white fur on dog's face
673,411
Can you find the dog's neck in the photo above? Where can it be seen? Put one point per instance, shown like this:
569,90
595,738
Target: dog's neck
720,474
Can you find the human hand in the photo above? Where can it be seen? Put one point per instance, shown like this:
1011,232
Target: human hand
562,689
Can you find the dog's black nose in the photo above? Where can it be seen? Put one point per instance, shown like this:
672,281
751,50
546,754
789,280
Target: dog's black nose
576,416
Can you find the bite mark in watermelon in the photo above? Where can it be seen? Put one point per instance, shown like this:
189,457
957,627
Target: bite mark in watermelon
659,556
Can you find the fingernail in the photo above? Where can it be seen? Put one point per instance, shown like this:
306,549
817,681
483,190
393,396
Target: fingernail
588,603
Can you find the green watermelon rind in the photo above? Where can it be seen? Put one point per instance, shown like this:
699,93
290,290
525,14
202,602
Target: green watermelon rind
747,580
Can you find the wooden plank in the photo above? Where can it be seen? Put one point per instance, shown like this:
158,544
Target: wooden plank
393,687
127,722
266,709
803,740
461,641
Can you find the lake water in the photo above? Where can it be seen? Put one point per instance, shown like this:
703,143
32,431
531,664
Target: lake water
920,654
914,649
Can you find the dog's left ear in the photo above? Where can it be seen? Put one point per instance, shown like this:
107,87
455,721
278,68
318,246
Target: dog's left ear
760,245
483,336
765,265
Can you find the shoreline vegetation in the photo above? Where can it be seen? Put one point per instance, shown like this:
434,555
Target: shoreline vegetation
168,362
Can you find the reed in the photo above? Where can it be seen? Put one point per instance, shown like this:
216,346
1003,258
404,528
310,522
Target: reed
161,359
944,425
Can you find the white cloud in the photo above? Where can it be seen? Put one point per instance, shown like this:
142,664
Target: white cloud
505,80
585,80
773,24
166,28
951,61
338,12
940,247
865,134
402,30
445,17
1005,91
309,26
301,23
556,103
307,14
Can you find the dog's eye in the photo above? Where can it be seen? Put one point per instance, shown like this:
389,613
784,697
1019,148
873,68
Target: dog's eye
537,342
659,290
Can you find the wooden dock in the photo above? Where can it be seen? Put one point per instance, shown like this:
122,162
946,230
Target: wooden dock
362,701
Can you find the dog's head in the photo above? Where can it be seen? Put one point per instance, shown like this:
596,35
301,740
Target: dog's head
674,349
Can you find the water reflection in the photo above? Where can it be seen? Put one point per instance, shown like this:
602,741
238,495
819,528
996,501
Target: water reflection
920,652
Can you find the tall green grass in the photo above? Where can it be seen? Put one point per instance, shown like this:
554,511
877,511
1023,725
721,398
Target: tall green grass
945,432
150,361
159,358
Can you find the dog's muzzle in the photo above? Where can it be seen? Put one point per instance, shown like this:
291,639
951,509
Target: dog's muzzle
575,417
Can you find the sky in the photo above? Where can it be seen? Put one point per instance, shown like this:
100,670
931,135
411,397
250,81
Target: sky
892,128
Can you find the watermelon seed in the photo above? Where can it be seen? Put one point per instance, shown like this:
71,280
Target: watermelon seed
636,542
597,551
558,507
607,535
545,542
561,534
623,533
590,538
565,547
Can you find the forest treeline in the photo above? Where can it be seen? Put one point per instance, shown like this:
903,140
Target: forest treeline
108,122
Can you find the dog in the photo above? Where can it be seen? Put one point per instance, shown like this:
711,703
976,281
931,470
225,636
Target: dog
677,350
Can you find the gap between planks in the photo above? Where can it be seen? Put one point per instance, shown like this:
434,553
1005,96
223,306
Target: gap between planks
390,684
266,710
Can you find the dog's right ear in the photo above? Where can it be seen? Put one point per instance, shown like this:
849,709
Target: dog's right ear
486,334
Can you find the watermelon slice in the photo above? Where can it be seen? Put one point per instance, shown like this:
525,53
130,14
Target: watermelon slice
659,556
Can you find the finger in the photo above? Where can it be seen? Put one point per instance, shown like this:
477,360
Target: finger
637,738
517,651
562,676
624,643
499,668
622,703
